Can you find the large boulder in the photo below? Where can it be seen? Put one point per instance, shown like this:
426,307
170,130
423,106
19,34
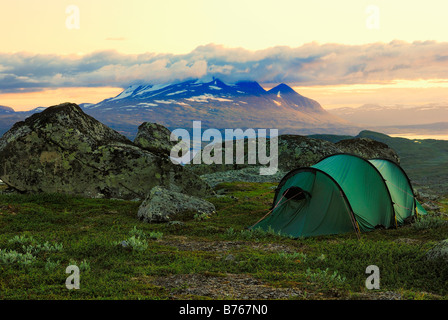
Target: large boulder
368,148
302,151
163,205
64,150
155,138
296,151
293,151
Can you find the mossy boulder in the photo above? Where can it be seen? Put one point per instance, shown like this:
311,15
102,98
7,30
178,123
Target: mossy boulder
368,148
163,205
155,138
294,151
64,150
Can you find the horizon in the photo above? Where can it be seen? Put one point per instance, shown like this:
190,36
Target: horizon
330,97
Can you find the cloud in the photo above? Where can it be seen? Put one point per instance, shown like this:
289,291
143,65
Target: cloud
310,64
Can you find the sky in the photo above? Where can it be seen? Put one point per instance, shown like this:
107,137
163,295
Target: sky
340,53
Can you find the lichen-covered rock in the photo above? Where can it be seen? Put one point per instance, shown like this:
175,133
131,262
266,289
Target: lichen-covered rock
368,149
245,174
155,138
301,151
293,151
163,205
296,151
440,251
64,150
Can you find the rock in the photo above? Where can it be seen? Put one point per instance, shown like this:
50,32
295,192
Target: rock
64,150
301,151
245,174
295,151
155,138
124,244
163,205
368,148
440,251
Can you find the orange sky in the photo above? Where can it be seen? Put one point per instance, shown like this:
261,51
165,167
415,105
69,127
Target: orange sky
30,100
178,27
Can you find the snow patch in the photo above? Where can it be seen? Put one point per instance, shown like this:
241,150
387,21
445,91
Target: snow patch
206,97
126,93
147,104
165,101
177,92
152,88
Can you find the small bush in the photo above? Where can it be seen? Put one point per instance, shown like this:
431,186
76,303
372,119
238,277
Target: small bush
140,234
51,265
428,222
31,245
325,277
137,233
155,235
14,257
84,265
200,216
293,256
133,243
46,247
22,240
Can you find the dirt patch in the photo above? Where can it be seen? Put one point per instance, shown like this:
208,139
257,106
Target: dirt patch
225,286
226,246
228,286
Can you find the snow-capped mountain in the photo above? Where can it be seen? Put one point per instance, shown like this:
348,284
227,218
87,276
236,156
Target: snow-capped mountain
218,105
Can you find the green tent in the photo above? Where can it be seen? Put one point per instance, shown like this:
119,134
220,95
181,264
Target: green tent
341,193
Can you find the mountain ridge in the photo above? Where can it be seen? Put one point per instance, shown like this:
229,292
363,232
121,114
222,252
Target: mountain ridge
218,105
245,104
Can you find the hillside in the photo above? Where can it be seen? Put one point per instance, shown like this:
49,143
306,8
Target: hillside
424,160
428,119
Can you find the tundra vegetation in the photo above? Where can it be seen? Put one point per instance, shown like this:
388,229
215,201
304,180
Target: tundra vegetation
205,257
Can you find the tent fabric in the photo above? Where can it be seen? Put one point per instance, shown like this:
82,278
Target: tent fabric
364,187
341,193
399,187
309,216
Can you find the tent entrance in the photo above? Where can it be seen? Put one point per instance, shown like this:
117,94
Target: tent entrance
296,193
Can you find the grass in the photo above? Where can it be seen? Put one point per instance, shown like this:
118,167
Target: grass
121,257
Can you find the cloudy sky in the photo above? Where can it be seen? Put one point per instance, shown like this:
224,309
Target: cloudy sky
341,53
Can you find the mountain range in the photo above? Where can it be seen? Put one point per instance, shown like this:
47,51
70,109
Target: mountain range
217,105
